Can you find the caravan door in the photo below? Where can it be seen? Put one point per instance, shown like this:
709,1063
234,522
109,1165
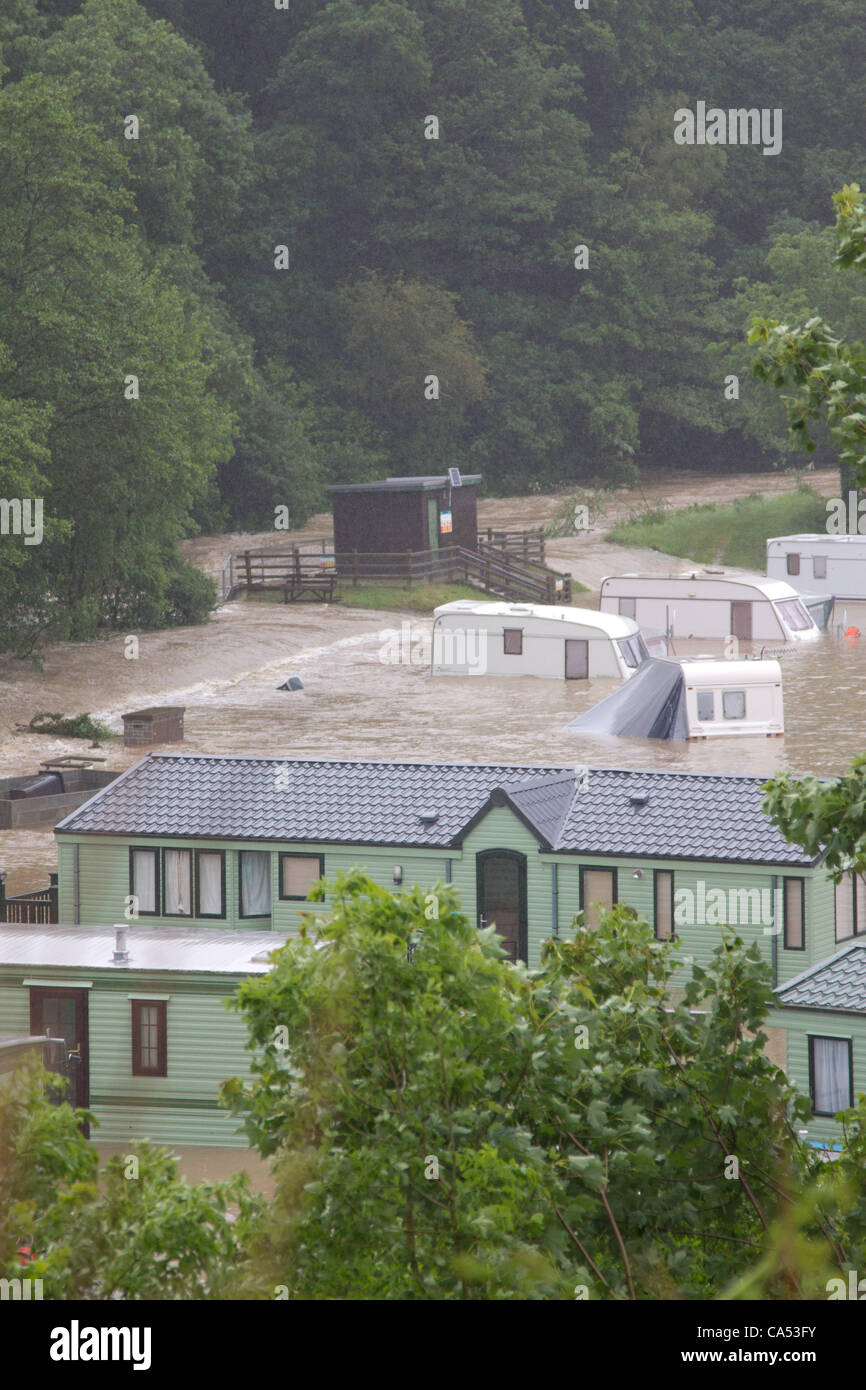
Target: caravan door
741,620
576,659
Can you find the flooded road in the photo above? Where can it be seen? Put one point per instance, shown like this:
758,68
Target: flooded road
358,701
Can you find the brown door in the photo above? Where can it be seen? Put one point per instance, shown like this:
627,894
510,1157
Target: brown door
501,885
741,621
62,1013
576,659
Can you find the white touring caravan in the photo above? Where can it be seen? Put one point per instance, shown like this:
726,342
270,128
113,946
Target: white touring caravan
534,639
733,697
820,564
702,698
701,603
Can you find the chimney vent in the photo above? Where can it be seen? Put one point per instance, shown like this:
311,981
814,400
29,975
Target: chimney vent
121,954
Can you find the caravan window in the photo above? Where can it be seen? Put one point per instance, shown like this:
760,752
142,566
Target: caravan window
793,564
627,607
663,887
819,566
632,650
794,914
512,641
830,1078
706,706
794,615
734,704
850,907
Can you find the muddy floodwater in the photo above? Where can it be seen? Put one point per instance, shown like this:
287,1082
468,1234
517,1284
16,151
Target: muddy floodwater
368,695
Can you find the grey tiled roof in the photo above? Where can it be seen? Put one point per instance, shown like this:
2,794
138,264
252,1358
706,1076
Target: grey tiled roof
685,816
837,983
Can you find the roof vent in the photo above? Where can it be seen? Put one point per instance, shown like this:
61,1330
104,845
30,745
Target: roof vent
638,798
581,777
121,954
428,817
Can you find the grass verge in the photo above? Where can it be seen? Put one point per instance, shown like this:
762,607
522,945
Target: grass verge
395,598
735,534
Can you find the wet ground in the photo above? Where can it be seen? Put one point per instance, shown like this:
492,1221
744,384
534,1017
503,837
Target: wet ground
368,696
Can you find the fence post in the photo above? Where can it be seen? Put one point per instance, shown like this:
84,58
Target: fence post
249,569
409,569
354,569
2,895
53,896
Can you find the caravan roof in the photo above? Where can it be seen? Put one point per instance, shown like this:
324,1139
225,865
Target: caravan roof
611,624
774,589
816,538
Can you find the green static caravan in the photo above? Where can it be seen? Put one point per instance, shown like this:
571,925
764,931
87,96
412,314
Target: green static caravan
237,843
823,1014
147,1040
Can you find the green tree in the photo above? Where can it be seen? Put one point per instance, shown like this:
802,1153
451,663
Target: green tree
398,336
82,317
402,1171
825,375
135,1231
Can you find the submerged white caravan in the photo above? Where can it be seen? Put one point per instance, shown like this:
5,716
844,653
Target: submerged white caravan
820,564
699,604
533,639
697,699
733,697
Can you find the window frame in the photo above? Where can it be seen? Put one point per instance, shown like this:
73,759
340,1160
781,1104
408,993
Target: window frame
824,1037
177,849
601,869
210,916
293,854
629,647
786,880
725,695
508,632
161,1006
673,931
792,562
800,621
253,916
157,878
703,695
856,930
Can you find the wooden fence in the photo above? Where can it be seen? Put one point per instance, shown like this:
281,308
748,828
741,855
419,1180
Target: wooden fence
38,908
523,545
499,567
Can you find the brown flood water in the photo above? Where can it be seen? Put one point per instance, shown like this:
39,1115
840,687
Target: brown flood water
356,705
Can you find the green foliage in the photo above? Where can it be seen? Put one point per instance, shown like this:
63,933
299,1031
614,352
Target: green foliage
389,1059
731,535
78,726
135,1231
825,375
582,1123
823,817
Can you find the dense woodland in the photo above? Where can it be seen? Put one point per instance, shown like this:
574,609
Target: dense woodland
154,257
